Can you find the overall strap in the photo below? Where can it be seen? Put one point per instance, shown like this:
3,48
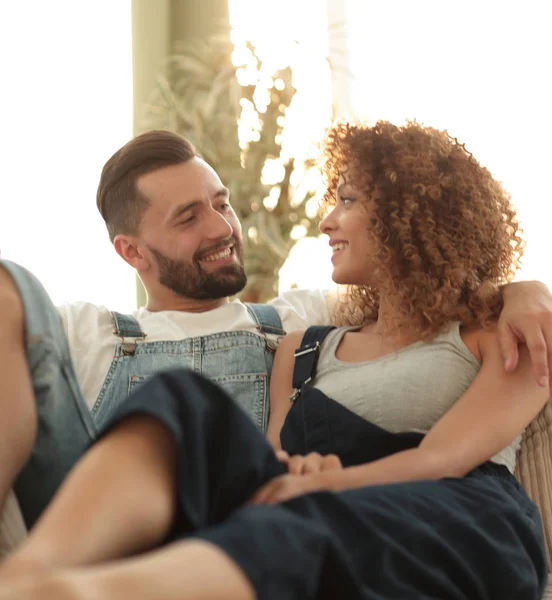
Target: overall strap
268,322
129,330
266,318
306,357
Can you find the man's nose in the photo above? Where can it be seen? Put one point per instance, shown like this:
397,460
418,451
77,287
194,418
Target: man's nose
218,226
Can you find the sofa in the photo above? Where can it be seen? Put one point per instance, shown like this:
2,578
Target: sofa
534,471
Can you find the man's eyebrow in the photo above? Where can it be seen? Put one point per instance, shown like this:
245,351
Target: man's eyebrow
182,209
223,192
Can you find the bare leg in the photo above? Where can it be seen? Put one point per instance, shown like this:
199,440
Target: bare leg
17,403
193,569
119,500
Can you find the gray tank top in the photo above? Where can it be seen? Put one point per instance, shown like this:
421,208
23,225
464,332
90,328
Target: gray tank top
407,390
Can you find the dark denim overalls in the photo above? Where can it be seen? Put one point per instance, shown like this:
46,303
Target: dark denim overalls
472,538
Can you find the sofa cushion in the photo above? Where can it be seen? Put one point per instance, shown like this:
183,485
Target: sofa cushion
534,469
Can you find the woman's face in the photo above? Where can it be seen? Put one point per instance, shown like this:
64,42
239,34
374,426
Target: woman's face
348,226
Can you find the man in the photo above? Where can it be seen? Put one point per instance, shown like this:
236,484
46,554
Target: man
168,216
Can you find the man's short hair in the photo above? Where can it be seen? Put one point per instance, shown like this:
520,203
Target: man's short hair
118,198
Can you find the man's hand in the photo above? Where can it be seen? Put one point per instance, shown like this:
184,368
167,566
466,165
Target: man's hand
527,319
284,487
309,464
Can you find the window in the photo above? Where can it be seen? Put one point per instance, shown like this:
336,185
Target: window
481,70
66,107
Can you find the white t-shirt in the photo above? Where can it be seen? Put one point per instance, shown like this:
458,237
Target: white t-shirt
92,343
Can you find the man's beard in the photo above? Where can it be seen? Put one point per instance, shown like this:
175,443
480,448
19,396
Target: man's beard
189,280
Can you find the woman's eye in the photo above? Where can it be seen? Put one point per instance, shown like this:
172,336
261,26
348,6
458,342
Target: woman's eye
346,200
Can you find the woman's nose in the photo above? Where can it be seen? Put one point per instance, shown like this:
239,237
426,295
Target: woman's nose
327,223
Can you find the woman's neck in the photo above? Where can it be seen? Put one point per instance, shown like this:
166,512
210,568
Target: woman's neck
390,325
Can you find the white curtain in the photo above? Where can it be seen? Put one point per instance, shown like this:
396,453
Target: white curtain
65,107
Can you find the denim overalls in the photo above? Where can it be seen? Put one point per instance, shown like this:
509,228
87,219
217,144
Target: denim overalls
239,361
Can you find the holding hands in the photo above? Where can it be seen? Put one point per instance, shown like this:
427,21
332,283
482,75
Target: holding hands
302,477
309,464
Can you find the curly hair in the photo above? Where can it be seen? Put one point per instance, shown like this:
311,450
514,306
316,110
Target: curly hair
445,233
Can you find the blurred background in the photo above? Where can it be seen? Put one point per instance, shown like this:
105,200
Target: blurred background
254,84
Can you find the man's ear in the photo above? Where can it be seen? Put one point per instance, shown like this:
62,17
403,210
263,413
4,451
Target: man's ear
128,249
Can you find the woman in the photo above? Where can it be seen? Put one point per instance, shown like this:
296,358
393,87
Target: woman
409,405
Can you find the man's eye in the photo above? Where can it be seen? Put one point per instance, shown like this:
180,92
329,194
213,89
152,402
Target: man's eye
188,220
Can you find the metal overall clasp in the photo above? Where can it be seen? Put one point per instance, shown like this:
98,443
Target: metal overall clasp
314,347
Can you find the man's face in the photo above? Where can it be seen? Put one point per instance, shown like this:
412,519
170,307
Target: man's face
191,232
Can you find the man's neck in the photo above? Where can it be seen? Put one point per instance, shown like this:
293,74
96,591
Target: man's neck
181,304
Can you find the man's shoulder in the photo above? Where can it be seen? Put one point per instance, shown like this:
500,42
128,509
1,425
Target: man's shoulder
83,315
299,308
82,309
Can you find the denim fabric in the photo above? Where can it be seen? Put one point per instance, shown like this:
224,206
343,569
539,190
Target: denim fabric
239,361
65,426
474,538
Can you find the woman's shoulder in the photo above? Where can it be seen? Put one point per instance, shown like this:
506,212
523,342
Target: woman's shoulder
291,341
296,336
477,338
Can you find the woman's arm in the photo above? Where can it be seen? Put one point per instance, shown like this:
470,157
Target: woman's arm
280,391
493,411
281,385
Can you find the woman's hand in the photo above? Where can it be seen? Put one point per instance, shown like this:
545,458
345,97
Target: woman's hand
309,464
302,477
284,487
